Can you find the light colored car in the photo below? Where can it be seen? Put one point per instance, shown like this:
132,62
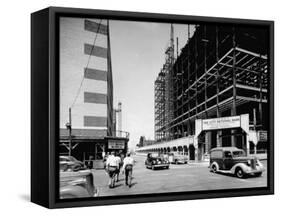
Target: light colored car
234,161
177,158
77,184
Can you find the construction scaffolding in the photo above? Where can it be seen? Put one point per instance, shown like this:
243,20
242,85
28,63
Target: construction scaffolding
221,71
163,90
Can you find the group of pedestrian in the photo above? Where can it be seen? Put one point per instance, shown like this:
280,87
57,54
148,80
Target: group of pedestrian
115,163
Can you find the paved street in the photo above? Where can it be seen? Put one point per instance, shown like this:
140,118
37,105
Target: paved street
190,177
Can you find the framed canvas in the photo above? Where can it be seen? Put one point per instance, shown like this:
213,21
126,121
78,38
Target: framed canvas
139,107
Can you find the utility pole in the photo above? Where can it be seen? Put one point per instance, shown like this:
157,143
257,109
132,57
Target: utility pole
177,47
255,127
254,119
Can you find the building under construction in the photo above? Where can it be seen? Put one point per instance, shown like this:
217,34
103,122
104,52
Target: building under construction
222,71
164,94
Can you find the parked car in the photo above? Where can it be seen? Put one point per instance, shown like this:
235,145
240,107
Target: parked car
234,161
177,158
154,162
77,184
70,163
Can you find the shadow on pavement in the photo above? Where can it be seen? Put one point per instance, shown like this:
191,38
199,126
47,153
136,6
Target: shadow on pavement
233,176
134,183
117,185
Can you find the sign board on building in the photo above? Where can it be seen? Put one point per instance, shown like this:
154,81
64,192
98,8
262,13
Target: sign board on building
116,144
262,136
221,123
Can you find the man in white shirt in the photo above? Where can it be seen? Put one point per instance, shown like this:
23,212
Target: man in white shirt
128,163
111,166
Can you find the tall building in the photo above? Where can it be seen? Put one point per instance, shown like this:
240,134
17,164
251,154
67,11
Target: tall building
220,76
85,75
86,89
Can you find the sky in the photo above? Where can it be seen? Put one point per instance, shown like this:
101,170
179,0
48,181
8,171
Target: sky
138,54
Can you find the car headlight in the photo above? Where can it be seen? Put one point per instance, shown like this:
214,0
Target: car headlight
249,162
258,163
153,162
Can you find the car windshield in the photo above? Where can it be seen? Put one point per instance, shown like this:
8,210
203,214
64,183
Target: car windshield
68,158
62,159
238,153
72,159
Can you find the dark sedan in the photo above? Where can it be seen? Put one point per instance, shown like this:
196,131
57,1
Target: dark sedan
154,162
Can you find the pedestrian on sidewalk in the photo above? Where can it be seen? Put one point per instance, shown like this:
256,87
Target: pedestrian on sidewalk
128,169
111,167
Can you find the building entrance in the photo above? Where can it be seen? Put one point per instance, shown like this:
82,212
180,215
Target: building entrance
191,152
221,132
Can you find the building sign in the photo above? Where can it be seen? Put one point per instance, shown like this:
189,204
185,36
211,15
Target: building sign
221,123
262,136
116,144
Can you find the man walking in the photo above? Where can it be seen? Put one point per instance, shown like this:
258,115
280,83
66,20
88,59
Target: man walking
118,159
111,167
128,168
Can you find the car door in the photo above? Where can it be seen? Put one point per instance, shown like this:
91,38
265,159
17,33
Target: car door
227,160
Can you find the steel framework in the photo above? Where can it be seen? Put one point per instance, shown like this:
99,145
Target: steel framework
164,112
221,71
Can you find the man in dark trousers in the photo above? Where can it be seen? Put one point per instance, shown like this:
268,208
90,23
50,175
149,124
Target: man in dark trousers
111,167
128,169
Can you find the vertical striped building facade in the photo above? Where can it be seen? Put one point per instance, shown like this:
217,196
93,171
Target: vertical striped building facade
86,76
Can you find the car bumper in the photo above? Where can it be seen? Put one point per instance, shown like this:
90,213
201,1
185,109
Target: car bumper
160,165
254,171
182,161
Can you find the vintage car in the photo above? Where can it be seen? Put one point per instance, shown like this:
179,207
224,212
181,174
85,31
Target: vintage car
177,158
234,161
70,163
154,161
77,184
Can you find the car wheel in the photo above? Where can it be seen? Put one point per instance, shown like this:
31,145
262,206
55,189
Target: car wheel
258,174
167,167
214,168
239,173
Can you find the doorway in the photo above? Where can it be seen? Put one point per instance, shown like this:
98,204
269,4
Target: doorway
191,152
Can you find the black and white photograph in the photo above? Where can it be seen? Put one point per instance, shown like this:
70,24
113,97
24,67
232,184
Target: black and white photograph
161,107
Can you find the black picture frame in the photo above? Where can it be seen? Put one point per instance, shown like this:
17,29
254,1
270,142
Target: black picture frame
45,108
